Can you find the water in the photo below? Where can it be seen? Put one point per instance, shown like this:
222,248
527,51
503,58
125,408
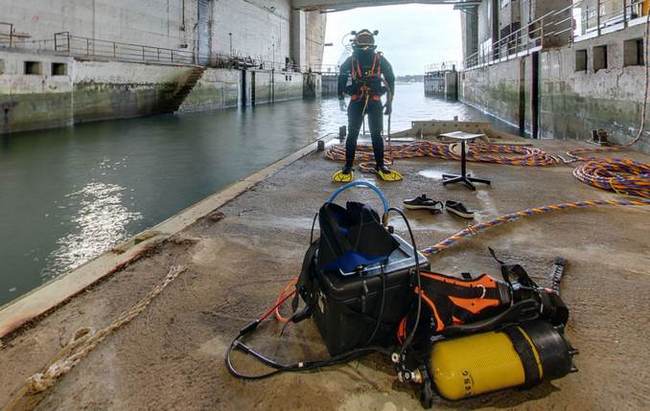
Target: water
66,195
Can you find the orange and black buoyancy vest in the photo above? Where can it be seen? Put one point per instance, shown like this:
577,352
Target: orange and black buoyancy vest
453,301
366,84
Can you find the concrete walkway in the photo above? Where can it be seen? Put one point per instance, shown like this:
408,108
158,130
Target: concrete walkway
171,356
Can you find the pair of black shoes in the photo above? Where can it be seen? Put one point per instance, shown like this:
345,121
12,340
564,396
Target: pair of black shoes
424,203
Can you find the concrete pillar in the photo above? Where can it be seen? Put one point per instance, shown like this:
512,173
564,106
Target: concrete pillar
298,38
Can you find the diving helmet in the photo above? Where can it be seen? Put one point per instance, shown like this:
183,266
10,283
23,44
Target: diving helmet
364,39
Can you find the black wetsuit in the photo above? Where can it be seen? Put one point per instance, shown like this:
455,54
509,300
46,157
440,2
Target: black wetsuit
372,105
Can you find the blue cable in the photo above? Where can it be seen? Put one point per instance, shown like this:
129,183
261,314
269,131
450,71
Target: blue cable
362,184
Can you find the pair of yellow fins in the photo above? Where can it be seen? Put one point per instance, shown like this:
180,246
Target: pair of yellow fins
386,175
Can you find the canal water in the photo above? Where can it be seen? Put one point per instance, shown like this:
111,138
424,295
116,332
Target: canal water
67,195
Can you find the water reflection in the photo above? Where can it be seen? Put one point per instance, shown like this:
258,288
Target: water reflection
100,223
68,194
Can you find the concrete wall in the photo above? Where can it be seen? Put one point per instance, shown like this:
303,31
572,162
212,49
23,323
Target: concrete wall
485,13
312,85
469,29
575,102
217,89
110,90
497,89
260,28
155,22
315,38
287,86
29,102
442,83
88,91
93,90
329,85
572,102
263,87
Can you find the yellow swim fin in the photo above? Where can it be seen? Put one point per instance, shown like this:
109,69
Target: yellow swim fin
389,175
342,177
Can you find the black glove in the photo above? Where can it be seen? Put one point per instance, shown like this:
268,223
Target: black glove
388,108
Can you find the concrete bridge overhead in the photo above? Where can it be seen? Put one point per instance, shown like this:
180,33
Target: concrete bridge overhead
338,5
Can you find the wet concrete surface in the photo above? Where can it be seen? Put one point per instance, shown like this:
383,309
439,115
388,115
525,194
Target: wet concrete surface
172,355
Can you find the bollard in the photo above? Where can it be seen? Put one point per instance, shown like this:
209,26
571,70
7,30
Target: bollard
342,133
320,146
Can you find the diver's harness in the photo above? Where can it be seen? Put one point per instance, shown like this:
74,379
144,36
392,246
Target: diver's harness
514,318
366,85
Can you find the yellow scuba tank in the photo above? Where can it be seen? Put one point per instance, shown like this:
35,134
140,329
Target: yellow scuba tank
521,355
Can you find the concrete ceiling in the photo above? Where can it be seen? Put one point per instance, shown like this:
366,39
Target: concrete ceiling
338,5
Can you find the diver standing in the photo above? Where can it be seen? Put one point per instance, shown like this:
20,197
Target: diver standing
372,77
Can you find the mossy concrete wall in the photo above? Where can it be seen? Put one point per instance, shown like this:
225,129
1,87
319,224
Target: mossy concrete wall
62,91
109,90
329,85
274,86
217,89
34,101
499,89
40,90
573,101
103,90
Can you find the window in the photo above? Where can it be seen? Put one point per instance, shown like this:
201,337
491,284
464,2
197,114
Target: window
32,67
600,58
633,54
59,69
581,60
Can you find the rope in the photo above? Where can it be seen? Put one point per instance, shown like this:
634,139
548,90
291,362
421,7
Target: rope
81,344
515,155
622,176
475,229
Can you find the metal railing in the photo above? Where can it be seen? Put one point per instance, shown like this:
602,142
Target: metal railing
525,40
6,38
597,16
441,66
85,47
582,19
88,48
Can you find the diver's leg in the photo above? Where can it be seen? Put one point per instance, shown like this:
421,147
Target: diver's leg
376,123
355,117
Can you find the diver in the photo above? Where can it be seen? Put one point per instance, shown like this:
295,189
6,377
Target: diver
365,68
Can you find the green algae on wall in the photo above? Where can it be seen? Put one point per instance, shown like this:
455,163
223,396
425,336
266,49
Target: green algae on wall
33,111
216,89
102,101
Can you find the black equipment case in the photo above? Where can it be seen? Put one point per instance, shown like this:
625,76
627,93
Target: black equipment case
347,305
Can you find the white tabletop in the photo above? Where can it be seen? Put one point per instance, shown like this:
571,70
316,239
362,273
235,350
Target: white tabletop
461,135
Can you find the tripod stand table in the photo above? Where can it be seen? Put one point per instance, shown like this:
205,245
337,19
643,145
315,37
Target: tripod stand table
465,178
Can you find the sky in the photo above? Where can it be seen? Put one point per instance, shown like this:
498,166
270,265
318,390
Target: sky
410,36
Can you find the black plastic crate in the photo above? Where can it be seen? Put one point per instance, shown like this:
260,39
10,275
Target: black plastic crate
348,304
